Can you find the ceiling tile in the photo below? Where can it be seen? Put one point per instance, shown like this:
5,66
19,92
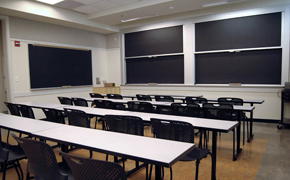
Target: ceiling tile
69,4
88,1
104,5
123,2
87,9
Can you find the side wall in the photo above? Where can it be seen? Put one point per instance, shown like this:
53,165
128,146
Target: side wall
27,32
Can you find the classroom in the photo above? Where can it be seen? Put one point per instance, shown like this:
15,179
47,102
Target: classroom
121,37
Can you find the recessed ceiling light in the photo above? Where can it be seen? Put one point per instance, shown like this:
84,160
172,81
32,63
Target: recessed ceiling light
171,7
137,18
215,3
50,1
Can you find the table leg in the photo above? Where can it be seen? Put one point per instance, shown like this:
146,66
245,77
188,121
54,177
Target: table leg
158,172
214,153
239,149
251,125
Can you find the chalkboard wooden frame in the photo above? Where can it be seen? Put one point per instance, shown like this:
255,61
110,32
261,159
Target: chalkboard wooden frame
52,67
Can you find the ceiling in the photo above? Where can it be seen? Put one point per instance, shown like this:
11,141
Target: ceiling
105,16
112,12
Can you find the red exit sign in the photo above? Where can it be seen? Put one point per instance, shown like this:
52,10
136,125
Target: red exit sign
17,43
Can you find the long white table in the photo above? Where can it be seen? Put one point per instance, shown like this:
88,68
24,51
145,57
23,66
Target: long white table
207,124
145,149
43,105
123,101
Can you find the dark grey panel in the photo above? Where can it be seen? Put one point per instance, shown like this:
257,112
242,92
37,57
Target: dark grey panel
152,42
166,70
246,67
245,32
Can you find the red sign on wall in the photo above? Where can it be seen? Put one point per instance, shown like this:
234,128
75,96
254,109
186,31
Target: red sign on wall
17,43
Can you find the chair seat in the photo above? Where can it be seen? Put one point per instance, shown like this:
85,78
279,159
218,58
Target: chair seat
196,154
15,152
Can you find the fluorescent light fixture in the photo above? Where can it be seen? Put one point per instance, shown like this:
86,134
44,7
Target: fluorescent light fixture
50,1
215,3
137,18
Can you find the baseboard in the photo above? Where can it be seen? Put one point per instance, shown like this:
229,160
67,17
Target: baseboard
273,121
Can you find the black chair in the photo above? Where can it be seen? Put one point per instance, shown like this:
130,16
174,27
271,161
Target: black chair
195,100
78,118
180,131
41,160
181,109
126,124
114,96
96,95
164,98
80,102
143,97
65,100
26,111
117,96
106,104
54,115
140,106
84,168
236,102
13,109
220,112
10,156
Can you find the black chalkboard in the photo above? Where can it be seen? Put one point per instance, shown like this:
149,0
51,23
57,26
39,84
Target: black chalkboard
163,70
244,32
246,67
152,42
56,67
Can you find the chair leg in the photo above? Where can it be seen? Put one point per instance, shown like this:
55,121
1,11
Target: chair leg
15,166
8,136
91,154
20,169
150,172
197,167
171,174
27,176
4,164
243,132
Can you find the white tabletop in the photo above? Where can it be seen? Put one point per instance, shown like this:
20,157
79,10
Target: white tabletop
210,124
97,111
157,103
156,151
254,101
26,125
43,105
175,95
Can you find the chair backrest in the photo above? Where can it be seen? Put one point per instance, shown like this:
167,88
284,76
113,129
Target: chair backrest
54,115
26,111
173,130
65,100
80,102
114,96
77,118
85,168
96,95
164,98
232,101
13,108
106,104
195,100
140,106
143,97
125,124
41,159
181,109
218,111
